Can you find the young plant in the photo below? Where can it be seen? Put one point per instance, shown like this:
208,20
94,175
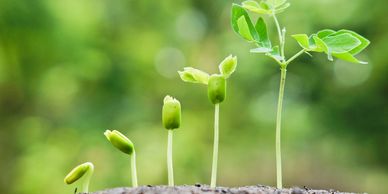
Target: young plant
86,169
216,84
171,118
342,44
125,145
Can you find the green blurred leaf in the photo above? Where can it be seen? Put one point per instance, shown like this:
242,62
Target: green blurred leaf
282,8
364,42
255,7
275,3
341,43
261,29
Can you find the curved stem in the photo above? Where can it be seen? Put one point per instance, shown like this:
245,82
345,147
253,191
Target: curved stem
133,169
88,175
169,160
278,128
215,146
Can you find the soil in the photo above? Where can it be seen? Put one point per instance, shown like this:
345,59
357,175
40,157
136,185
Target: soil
205,189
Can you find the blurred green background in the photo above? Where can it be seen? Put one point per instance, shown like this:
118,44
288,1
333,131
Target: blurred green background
71,69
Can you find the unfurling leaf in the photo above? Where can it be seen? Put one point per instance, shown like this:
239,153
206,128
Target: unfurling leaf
193,75
228,66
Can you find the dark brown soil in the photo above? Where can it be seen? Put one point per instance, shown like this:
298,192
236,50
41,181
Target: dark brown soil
205,189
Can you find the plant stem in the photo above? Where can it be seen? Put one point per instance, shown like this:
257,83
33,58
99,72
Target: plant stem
85,185
278,127
169,160
295,56
281,37
133,169
215,146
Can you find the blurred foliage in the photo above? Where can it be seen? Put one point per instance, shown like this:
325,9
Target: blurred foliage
71,69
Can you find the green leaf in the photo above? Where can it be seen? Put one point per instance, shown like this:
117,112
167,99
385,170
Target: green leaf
322,47
255,7
193,75
282,8
237,13
275,53
348,57
261,29
228,66
364,42
341,43
326,32
275,3
243,29
303,40
261,50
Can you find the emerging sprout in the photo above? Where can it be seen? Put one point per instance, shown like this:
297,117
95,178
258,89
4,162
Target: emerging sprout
125,145
216,84
86,169
171,117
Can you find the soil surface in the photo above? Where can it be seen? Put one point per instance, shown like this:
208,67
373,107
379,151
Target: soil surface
205,189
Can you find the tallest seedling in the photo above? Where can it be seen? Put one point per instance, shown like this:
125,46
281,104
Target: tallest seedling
216,85
342,44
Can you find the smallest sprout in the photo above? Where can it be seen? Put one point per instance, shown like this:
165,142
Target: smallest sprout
79,171
125,145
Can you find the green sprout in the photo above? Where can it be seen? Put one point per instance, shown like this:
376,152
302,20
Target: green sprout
342,44
125,145
216,93
171,118
86,169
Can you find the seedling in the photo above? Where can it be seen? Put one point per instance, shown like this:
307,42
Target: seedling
171,118
342,44
216,84
86,169
125,145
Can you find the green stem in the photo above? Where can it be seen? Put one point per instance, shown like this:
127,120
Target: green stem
281,37
215,146
295,56
88,175
278,127
133,169
169,160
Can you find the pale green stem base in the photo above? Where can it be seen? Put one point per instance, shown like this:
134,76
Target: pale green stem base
278,127
215,146
169,160
133,169
88,175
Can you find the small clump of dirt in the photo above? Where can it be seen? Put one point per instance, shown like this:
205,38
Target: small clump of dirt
205,189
